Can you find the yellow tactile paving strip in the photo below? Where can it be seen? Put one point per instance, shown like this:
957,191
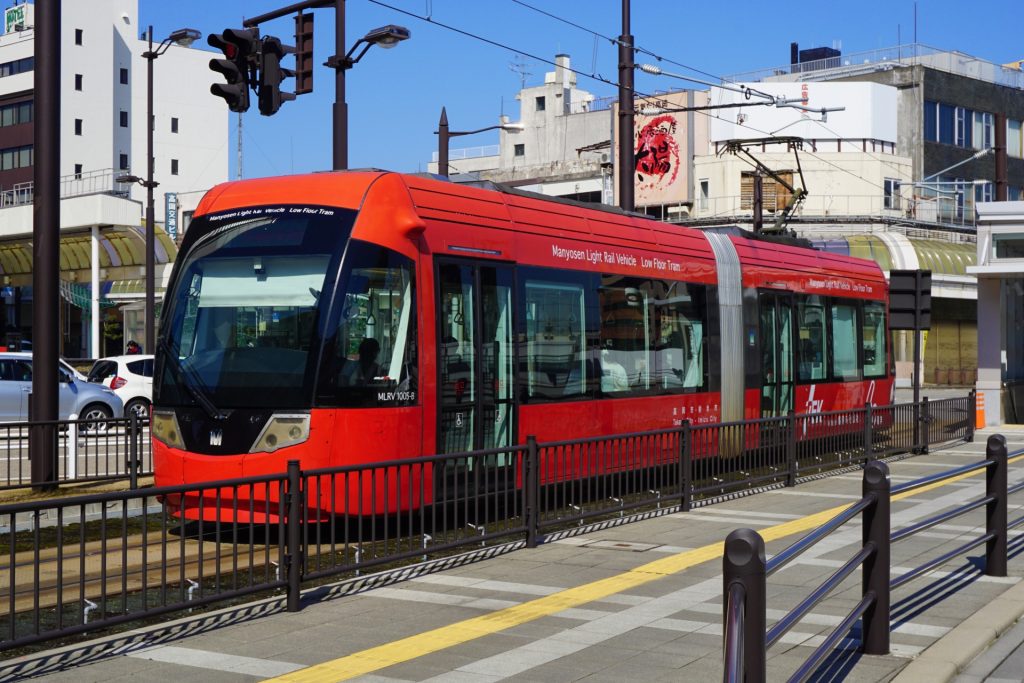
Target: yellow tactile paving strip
406,649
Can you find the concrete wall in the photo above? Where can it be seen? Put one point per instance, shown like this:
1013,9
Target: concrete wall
838,183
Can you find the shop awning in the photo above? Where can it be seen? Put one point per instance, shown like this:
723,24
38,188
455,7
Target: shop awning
938,256
118,247
81,295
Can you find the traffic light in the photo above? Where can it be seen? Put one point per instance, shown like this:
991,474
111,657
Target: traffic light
239,47
271,73
303,53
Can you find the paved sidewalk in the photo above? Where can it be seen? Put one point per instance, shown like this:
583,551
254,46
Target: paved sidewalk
640,601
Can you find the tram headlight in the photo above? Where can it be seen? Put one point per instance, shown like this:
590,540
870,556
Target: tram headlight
281,430
164,426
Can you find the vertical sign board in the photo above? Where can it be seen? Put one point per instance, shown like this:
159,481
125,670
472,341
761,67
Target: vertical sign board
171,214
910,299
910,308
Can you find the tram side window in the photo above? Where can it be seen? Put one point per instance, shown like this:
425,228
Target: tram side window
370,355
845,341
626,335
679,341
874,339
811,349
555,362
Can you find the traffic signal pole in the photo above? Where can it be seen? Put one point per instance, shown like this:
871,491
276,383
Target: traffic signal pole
340,115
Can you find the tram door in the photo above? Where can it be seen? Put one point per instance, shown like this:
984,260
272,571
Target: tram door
475,364
776,353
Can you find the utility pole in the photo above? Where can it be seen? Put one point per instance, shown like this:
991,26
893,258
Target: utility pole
627,162
46,247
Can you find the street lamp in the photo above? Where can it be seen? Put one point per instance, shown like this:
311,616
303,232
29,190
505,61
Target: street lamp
184,37
443,134
386,37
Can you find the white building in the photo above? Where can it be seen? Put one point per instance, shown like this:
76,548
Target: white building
563,149
103,136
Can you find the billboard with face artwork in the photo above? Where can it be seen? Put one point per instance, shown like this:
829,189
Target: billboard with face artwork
664,144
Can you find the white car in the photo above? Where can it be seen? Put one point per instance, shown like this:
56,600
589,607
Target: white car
130,377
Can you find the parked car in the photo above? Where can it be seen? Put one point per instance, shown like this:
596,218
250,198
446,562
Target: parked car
130,377
70,369
86,400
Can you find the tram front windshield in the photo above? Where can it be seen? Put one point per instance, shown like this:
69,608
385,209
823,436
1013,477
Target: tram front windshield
242,318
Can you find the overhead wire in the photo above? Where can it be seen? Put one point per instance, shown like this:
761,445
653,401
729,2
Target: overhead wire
595,76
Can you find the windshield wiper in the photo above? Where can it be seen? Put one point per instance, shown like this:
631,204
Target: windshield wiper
197,393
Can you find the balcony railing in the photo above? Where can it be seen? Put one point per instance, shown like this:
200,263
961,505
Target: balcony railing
74,185
942,211
471,152
876,60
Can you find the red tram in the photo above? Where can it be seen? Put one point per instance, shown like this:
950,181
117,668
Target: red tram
353,317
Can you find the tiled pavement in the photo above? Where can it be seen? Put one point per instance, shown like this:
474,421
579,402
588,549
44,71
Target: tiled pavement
662,625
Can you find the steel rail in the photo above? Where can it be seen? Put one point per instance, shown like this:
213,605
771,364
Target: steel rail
939,561
833,639
783,625
903,533
783,558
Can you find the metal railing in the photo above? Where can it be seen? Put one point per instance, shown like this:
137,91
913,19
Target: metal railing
899,55
745,570
87,451
101,181
87,562
940,210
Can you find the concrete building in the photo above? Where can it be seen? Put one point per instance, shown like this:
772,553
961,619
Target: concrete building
103,136
563,149
895,176
1000,273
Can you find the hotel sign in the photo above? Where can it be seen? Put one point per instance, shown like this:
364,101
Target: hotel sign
14,16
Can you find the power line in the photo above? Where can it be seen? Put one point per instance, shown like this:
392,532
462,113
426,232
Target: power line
616,42
593,76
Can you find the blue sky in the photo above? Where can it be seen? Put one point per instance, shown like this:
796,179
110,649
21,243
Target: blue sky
395,96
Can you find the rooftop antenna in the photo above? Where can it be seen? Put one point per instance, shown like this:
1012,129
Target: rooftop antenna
519,66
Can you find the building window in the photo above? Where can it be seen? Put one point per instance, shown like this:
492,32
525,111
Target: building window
78,126
78,171
963,127
983,125
931,121
984,192
174,167
947,123
520,150
14,114
78,81
16,157
124,76
78,36
18,66
1013,138
704,191
124,119
540,103
892,193
174,124
123,162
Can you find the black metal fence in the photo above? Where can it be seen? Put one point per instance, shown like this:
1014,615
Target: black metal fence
746,638
87,450
75,564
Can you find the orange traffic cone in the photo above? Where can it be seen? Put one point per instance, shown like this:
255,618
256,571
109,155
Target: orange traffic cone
979,411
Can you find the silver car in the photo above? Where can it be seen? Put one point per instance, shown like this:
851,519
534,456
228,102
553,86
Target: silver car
86,400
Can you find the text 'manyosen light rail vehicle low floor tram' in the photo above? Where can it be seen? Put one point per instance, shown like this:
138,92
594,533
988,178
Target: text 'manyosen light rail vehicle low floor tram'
353,317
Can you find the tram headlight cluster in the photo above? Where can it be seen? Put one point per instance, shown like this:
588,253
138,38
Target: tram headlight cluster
164,426
281,430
